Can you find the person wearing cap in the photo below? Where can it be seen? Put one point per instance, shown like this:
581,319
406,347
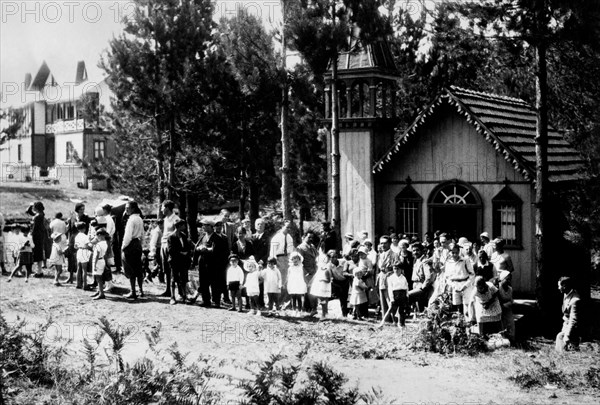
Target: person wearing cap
568,338
486,244
505,294
398,295
282,245
348,240
131,249
209,267
371,253
169,220
57,256
179,256
235,280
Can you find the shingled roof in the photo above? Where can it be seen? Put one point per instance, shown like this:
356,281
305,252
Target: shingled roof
509,124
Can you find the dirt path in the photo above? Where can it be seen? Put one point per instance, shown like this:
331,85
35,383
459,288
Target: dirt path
237,339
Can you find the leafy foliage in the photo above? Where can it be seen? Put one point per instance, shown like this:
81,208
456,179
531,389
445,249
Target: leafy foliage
446,332
284,380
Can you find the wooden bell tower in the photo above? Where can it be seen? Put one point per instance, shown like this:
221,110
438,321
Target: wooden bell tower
366,87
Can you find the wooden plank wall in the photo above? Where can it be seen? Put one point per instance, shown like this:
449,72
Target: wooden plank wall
450,148
356,182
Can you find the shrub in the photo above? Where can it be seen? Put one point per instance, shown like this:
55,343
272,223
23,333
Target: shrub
284,380
446,332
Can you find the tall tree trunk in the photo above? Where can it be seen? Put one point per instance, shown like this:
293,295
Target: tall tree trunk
544,286
192,215
285,138
160,165
171,179
335,145
254,201
182,200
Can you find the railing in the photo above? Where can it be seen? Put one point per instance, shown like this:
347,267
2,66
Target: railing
67,126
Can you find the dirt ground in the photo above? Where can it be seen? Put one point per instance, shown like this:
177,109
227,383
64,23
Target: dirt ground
369,356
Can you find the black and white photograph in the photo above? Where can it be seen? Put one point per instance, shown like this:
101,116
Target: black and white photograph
299,202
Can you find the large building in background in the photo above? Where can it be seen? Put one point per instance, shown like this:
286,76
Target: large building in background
53,129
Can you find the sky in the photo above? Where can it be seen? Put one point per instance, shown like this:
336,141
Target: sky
65,32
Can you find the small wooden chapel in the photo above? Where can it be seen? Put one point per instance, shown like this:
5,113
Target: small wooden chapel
465,165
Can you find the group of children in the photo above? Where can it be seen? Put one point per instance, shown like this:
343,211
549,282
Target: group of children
91,254
244,277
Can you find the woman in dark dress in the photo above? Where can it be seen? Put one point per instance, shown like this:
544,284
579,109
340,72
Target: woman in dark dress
39,234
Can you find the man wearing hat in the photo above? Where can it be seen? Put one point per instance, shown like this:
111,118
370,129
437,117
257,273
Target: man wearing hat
348,239
179,251
485,242
209,267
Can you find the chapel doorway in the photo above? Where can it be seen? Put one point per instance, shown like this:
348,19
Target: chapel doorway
455,207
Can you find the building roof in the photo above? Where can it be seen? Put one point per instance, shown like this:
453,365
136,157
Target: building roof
509,125
373,59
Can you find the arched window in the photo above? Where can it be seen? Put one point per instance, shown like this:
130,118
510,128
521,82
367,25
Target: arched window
455,207
455,193
507,223
408,211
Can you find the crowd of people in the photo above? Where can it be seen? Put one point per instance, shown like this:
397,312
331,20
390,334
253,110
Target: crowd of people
244,269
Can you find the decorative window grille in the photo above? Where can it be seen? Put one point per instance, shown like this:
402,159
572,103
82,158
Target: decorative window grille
408,211
507,223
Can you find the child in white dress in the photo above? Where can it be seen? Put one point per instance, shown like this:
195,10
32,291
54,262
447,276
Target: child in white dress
252,283
296,283
57,256
321,284
358,299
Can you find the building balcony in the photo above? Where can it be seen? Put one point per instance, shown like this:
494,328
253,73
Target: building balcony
62,126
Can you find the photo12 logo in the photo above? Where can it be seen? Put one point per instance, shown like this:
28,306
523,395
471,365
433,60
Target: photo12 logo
56,12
